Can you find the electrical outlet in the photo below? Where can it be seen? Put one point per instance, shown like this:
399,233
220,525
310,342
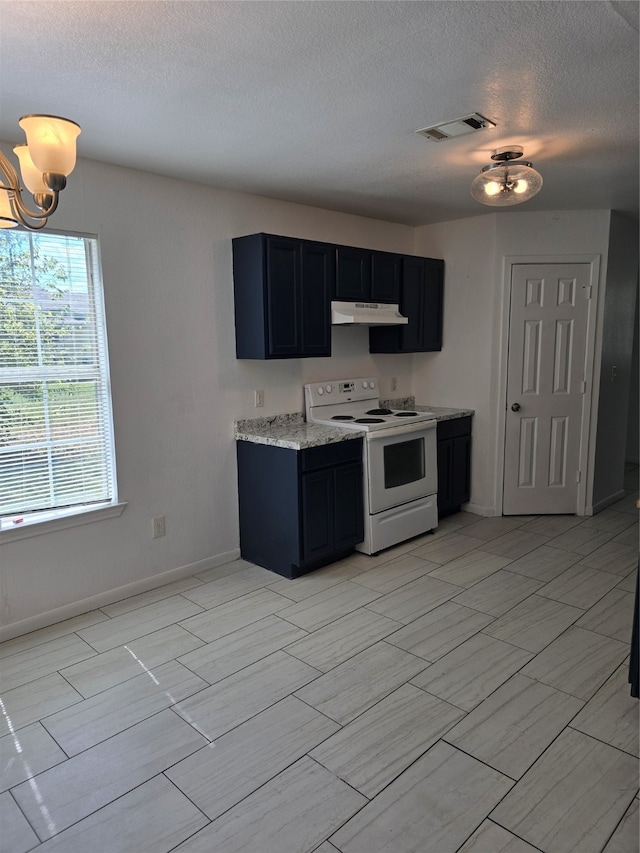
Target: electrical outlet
158,527
394,383
258,399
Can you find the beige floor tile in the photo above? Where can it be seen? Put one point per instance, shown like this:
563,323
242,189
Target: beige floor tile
417,814
544,563
220,775
43,659
572,798
625,837
150,597
314,582
52,632
491,528
356,685
327,606
552,525
630,536
26,753
108,669
448,547
534,623
472,671
153,818
498,593
371,751
35,700
293,812
433,635
491,838
225,589
215,661
327,647
223,570
579,586
612,557
577,662
612,616
581,540
16,834
73,790
395,573
414,599
629,582
611,715
467,570
515,544
236,614
513,726
87,723
611,521
240,696
138,623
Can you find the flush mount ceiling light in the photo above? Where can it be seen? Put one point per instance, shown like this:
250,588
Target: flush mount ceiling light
46,160
505,181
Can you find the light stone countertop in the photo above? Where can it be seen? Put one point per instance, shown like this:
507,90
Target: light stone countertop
293,432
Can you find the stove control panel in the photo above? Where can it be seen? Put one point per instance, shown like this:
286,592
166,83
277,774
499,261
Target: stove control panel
341,391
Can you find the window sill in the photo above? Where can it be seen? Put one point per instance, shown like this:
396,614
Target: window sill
35,527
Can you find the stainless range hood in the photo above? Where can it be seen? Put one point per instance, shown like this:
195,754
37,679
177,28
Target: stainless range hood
366,314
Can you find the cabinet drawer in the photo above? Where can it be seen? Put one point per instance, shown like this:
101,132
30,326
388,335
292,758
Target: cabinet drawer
325,455
454,428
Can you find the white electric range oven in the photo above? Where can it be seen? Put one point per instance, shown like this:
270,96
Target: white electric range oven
399,458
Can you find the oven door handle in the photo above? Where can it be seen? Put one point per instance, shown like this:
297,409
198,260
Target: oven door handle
392,432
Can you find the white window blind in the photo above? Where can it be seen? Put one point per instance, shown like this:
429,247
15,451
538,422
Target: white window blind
56,436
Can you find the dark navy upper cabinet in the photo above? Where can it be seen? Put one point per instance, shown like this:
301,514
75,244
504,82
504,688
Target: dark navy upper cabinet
363,275
421,301
282,293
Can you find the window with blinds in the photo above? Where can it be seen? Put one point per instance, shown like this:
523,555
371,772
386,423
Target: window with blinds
56,436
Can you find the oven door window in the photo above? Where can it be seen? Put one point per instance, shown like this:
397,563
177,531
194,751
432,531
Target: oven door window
404,463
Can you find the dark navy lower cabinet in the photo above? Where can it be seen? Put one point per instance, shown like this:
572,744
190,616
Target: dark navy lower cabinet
299,509
454,464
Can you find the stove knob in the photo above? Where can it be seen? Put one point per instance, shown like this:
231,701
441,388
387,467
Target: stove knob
372,384
329,389
365,384
321,391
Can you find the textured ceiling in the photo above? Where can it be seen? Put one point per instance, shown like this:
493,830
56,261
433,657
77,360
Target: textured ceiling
317,102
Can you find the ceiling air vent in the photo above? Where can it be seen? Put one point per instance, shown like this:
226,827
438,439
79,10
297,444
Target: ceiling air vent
457,127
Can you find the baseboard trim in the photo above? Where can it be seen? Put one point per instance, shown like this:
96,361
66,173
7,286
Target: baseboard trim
478,509
94,602
605,502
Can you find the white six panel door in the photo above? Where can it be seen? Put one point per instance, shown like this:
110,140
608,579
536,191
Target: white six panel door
545,387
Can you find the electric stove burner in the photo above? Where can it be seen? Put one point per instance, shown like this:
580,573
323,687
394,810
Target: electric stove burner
378,412
406,414
369,421
342,418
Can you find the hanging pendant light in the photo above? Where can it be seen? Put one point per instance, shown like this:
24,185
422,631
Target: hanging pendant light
46,160
506,181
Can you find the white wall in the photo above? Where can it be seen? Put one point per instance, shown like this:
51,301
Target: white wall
616,362
474,251
177,386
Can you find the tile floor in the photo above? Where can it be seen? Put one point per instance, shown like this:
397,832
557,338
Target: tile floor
465,692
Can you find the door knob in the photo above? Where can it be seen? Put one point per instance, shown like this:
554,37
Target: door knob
515,407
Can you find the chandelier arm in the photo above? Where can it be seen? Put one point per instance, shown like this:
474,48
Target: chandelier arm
22,210
9,172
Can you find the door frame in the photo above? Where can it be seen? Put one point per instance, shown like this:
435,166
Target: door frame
592,372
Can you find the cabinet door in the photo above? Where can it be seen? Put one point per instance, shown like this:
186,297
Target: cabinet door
348,508
284,327
386,270
317,514
317,280
461,469
432,308
412,304
353,274
445,465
